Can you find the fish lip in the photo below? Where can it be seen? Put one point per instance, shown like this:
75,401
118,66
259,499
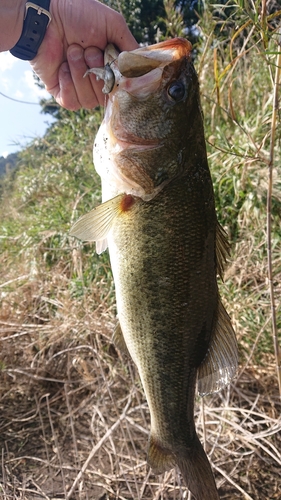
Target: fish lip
143,59
138,147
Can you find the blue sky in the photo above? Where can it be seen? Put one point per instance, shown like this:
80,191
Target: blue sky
19,123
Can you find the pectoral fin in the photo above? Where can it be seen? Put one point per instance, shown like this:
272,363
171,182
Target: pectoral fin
95,225
221,361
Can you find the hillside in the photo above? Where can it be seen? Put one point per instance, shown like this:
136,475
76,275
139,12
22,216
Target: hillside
74,421
8,164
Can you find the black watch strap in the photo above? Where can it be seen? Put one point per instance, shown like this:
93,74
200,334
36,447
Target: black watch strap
36,20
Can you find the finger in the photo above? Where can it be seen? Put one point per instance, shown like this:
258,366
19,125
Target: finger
48,60
84,87
94,58
66,95
88,90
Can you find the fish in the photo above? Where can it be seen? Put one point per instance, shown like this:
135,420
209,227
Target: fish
167,248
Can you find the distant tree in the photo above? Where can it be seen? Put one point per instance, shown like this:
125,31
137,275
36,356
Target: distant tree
190,10
141,16
8,164
146,18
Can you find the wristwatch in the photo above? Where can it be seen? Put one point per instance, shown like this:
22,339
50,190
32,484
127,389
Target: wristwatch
36,20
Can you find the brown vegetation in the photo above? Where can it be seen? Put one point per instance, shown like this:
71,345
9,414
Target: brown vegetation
74,422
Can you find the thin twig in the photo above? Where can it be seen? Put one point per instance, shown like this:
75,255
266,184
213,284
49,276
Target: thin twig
277,350
97,447
204,424
71,421
228,478
19,278
56,443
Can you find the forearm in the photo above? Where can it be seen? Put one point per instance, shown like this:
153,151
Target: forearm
11,22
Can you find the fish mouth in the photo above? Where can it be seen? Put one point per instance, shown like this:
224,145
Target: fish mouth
129,145
138,63
141,61
128,140
122,140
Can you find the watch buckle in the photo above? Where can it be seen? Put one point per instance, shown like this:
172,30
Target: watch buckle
40,10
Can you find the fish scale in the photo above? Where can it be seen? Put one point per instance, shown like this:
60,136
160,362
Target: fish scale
166,247
166,309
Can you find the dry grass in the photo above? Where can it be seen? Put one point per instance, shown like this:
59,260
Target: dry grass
74,420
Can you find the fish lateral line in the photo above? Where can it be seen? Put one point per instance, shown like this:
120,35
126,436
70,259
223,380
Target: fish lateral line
143,87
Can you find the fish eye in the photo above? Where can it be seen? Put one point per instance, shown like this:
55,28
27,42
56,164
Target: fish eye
176,91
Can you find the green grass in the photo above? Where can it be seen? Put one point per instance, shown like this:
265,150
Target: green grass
237,99
56,183
58,366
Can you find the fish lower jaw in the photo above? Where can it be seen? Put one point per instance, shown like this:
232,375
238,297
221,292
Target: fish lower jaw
120,137
107,149
120,140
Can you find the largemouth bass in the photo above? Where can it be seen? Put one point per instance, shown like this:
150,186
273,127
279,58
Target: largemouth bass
166,247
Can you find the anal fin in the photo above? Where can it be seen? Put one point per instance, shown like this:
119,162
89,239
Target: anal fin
221,361
222,249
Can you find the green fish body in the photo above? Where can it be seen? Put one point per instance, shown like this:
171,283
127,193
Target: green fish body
166,249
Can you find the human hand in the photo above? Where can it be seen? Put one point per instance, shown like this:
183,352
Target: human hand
74,41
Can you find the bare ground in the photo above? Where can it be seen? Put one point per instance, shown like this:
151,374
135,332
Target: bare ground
74,421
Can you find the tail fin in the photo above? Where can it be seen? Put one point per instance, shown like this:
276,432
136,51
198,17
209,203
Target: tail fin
197,473
193,464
